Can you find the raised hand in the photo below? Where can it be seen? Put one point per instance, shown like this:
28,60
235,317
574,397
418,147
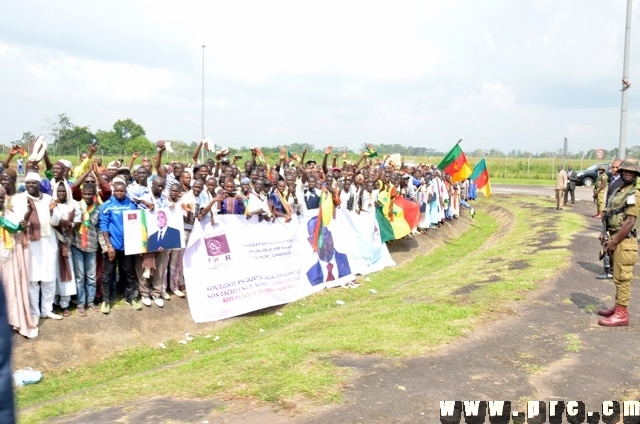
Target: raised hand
328,150
135,155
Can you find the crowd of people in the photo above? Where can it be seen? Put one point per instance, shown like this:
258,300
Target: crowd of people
62,236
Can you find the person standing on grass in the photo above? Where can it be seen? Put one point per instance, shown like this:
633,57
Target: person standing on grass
111,227
66,212
43,246
561,186
84,249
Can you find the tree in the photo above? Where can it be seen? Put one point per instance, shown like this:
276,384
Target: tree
73,140
126,129
140,144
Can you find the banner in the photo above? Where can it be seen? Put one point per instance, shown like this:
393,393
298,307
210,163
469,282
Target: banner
152,231
239,265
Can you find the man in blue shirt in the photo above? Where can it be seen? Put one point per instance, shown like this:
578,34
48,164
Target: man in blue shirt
111,227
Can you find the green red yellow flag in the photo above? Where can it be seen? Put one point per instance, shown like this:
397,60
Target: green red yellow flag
370,151
143,228
480,177
455,164
293,156
390,215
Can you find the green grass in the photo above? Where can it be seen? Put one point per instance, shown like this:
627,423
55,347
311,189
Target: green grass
415,311
573,342
516,181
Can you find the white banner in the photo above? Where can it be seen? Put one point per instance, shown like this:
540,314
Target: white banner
237,265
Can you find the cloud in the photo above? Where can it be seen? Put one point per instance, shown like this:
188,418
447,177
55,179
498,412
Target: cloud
504,73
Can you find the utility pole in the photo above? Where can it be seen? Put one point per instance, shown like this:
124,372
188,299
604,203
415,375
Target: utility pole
625,86
202,135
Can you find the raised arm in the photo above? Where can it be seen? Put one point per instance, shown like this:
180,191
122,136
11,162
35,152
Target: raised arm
159,168
134,156
196,153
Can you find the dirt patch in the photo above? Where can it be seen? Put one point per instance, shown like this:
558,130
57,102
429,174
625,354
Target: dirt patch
151,411
519,265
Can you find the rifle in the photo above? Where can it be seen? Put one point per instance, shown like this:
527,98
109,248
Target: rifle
605,256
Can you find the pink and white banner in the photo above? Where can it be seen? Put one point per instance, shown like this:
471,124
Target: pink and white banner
237,265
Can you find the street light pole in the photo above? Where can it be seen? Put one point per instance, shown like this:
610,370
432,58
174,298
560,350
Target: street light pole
528,161
202,135
581,160
625,85
553,165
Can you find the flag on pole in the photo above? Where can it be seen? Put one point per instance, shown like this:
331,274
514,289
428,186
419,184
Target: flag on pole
455,164
293,156
480,177
370,151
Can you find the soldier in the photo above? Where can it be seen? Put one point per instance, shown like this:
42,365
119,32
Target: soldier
621,222
600,190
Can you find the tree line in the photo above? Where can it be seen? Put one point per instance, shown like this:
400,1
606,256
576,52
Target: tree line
67,138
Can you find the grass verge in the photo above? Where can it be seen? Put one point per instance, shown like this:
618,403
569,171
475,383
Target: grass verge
420,305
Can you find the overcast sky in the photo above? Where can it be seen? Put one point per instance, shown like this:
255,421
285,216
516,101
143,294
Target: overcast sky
504,74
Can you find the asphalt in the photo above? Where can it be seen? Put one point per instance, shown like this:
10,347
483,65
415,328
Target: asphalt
523,355
516,358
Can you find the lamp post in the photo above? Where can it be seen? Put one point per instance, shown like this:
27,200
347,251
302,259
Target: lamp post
581,160
625,85
553,164
528,161
202,135
505,166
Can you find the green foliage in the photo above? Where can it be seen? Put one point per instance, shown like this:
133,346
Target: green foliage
126,129
140,144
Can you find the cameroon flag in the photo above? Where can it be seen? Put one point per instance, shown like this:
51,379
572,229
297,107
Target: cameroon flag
143,227
393,226
325,214
480,176
455,164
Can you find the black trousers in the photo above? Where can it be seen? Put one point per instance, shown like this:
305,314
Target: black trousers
7,407
573,195
127,278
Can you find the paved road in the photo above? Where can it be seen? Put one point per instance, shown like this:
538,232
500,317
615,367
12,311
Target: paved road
582,193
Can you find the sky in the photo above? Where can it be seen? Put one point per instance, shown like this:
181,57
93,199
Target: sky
503,74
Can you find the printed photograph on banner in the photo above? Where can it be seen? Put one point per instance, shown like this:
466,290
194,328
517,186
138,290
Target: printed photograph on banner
152,231
330,264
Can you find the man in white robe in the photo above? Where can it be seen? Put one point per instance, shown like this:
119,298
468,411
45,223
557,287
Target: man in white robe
43,247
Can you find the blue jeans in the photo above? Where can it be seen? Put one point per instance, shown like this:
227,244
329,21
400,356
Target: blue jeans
84,265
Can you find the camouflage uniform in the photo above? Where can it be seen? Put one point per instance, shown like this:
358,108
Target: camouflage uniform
625,202
600,190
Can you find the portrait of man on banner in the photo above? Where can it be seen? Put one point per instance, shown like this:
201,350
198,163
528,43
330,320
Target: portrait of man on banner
166,236
331,265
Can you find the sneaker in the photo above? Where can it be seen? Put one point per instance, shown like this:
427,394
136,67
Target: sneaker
51,315
158,301
146,301
105,308
135,305
178,293
165,295
81,311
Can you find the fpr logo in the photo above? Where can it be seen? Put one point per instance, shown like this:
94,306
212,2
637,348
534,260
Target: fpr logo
538,412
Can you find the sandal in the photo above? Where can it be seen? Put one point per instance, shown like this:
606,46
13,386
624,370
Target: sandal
66,312
81,311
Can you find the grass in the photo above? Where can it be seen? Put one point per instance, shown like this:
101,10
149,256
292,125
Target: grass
414,311
573,343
